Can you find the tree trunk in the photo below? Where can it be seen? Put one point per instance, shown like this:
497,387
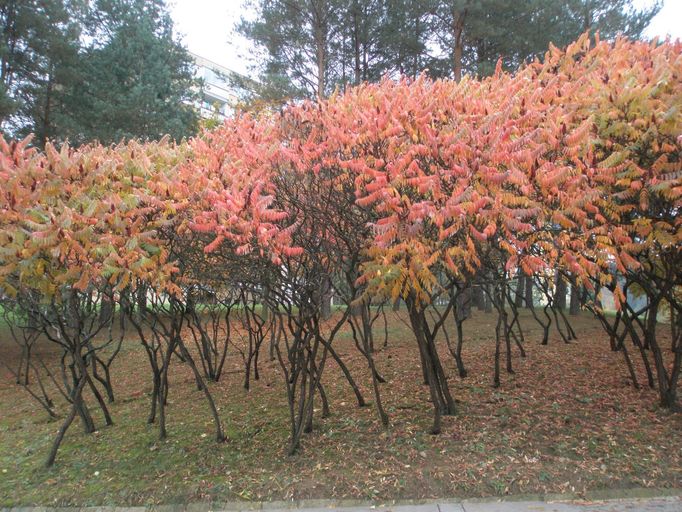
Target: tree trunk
60,434
518,297
667,382
320,30
560,292
478,298
106,308
433,370
458,18
575,298
48,109
529,292
356,44
326,295
142,300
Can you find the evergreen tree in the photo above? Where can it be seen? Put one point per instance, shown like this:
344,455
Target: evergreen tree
138,80
125,77
312,46
297,37
474,34
39,64
406,38
358,47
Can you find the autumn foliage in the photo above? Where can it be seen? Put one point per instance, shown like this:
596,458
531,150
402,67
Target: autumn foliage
426,192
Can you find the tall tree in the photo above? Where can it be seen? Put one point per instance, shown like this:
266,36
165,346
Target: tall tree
296,36
38,64
310,47
358,45
128,78
609,17
139,79
473,35
406,37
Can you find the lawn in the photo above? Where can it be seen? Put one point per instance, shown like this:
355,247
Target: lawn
568,420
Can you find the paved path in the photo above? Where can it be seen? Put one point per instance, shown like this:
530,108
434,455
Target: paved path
669,504
662,504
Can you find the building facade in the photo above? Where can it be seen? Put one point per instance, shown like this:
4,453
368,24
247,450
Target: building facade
219,95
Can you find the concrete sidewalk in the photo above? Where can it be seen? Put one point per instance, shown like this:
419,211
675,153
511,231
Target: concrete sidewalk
653,504
665,504
657,504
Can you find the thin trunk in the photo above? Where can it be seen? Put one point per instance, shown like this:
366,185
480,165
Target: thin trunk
560,292
48,109
458,18
518,297
529,292
356,44
320,55
575,298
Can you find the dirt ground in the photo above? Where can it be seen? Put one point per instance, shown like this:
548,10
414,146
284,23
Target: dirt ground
567,420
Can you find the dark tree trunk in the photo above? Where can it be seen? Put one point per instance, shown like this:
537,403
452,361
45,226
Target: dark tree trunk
575,298
47,114
326,299
667,381
52,455
356,43
142,300
518,297
529,292
560,292
433,370
458,18
106,310
478,297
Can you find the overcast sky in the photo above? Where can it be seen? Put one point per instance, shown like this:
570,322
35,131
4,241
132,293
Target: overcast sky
206,27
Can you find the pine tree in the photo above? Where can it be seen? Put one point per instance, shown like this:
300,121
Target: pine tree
297,38
138,79
406,37
39,64
473,35
310,47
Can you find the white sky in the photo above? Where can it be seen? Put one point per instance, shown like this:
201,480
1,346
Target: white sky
207,28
